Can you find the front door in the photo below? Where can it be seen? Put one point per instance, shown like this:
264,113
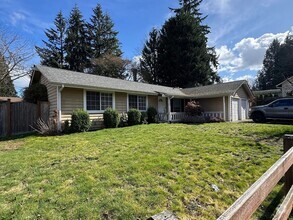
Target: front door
162,105
162,109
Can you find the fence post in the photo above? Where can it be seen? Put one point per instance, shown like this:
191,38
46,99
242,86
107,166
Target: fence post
288,143
9,117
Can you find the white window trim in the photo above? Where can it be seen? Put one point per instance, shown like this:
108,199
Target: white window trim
100,91
147,101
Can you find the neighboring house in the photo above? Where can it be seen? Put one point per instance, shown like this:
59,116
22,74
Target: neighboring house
68,90
12,99
263,97
287,87
268,93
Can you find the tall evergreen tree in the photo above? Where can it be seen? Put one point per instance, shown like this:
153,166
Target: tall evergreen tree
191,7
284,61
267,76
277,64
184,58
76,42
149,59
103,37
53,54
6,85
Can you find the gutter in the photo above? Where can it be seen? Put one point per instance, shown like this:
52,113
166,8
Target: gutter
62,87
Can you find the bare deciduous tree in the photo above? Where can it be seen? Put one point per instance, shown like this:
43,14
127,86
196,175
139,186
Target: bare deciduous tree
15,52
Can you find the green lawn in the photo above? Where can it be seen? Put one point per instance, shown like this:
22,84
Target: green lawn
135,172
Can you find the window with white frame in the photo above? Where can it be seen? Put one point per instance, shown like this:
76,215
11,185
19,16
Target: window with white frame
98,101
138,102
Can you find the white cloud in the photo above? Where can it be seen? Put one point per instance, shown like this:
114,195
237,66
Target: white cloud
227,79
27,21
249,78
221,7
21,83
227,18
16,17
136,60
247,54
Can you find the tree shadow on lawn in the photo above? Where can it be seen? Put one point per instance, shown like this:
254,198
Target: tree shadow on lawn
280,122
18,137
275,199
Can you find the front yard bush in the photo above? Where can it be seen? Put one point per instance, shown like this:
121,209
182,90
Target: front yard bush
66,127
123,120
80,121
143,118
152,115
111,118
134,116
193,108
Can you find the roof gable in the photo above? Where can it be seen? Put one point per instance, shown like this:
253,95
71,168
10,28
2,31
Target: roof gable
217,90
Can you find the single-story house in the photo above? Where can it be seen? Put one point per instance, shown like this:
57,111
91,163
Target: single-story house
69,90
287,87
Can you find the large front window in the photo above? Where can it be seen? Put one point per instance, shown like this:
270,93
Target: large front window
98,101
137,102
178,105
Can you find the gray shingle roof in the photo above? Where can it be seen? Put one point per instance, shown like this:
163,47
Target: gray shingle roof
268,91
215,90
77,79
71,78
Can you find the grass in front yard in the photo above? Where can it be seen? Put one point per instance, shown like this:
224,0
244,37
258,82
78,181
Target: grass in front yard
135,172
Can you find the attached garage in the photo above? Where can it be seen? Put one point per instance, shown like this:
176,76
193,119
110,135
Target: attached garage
239,109
244,109
235,109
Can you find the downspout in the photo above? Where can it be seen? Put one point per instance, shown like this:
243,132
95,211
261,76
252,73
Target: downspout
59,120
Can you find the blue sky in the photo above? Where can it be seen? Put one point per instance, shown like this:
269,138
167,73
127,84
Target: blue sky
240,30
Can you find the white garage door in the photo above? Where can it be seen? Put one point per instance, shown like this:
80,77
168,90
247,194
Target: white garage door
235,109
244,109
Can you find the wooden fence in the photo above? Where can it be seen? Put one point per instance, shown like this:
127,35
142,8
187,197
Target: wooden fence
18,117
247,204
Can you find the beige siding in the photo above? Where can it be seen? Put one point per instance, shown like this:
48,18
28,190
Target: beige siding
96,120
71,99
212,104
121,102
241,93
52,95
153,101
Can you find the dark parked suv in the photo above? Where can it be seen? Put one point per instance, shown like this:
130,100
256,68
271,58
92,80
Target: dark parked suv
280,109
